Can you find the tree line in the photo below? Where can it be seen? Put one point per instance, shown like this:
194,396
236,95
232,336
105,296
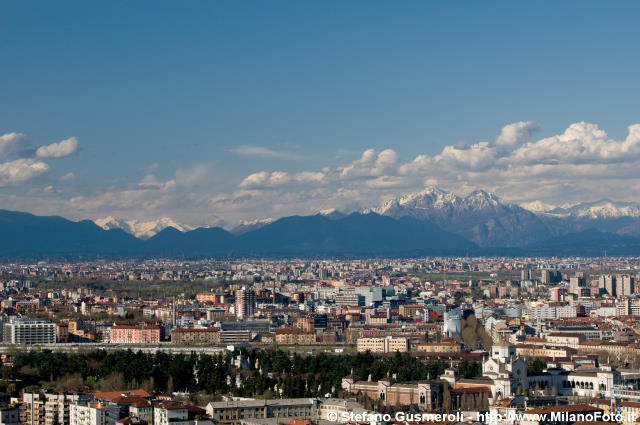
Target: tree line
257,373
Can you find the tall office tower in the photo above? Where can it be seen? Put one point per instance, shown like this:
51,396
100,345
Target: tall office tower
625,285
608,283
245,303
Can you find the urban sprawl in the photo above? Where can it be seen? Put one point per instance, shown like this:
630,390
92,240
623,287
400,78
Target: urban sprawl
505,341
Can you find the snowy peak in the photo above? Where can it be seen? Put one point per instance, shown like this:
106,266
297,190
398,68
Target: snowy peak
433,202
249,225
481,200
538,206
141,229
432,198
479,216
599,210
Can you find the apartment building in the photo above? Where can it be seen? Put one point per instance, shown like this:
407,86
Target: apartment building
88,413
233,412
126,406
203,336
387,344
294,337
170,414
146,334
551,311
47,408
18,330
245,303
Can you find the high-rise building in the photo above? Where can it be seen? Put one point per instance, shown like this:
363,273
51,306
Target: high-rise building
526,274
625,285
550,276
245,303
609,284
575,283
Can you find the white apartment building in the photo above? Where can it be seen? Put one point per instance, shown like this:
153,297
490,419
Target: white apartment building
87,414
171,414
20,330
551,312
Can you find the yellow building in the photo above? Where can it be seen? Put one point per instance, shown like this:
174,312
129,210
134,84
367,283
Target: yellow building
294,337
383,345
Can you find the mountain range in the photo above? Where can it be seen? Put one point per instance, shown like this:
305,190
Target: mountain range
429,222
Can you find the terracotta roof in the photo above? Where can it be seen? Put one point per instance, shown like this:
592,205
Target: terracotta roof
110,395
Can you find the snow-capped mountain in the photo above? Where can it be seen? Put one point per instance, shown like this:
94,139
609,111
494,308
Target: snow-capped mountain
249,225
480,216
141,229
538,206
602,209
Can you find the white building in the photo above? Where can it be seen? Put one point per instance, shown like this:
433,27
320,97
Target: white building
20,330
87,414
171,414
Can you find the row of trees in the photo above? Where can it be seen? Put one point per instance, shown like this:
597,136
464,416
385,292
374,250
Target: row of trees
266,373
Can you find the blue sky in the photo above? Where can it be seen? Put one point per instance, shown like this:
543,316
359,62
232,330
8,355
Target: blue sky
175,104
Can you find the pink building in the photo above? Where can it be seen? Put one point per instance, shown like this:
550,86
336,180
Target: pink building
147,334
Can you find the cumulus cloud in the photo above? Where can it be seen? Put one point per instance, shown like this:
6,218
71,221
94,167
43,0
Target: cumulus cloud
11,144
575,161
58,150
581,163
371,164
21,170
581,143
516,133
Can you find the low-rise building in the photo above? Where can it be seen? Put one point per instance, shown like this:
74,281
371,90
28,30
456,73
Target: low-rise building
387,344
233,412
294,337
146,334
204,336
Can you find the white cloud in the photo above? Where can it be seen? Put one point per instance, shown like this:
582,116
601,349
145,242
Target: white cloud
477,157
58,150
581,143
21,170
572,165
261,151
67,177
580,163
371,164
516,133
11,143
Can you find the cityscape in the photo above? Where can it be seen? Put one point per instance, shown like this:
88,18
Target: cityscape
275,341
326,212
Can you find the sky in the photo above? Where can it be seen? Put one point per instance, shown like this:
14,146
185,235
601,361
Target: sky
218,112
